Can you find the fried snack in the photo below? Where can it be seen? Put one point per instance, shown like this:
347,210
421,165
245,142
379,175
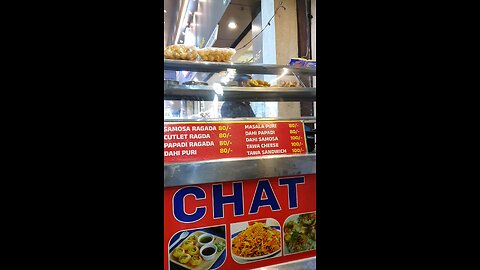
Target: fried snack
257,240
289,84
185,258
193,250
188,244
178,252
216,54
193,238
180,52
252,83
196,260
257,83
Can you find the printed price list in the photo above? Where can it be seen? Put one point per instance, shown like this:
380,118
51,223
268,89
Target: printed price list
185,142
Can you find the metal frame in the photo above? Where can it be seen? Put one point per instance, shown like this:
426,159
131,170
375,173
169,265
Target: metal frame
305,119
199,92
180,65
230,169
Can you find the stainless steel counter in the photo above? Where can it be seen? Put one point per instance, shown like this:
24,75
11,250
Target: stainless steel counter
230,169
305,264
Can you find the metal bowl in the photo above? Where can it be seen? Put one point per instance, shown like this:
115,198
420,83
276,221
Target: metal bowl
170,82
195,83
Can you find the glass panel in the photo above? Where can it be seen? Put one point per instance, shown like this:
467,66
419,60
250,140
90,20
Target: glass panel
219,106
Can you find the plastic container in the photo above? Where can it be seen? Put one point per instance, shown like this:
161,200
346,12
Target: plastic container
216,54
180,52
311,64
298,62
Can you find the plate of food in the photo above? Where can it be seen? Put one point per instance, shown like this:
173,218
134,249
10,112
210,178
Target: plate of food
258,240
299,233
199,251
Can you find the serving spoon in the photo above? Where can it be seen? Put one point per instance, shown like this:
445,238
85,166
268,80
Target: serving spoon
182,236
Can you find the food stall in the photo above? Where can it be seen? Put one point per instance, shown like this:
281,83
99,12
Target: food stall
240,193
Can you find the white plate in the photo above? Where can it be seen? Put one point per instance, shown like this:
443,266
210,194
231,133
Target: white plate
254,258
258,257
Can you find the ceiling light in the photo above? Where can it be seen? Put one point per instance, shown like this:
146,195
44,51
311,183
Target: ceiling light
232,25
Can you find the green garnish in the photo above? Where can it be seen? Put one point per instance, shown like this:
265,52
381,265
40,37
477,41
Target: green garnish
220,246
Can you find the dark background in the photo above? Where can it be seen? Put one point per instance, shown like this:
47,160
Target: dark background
86,127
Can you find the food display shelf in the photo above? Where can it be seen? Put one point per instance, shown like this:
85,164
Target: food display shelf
198,66
230,169
198,92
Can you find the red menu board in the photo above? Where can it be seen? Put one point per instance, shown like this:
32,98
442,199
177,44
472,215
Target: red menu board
240,225
184,142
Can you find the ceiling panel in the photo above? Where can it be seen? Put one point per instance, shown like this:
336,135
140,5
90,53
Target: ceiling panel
239,12
251,3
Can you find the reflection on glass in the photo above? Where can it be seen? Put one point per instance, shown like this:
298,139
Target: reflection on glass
172,108
220,107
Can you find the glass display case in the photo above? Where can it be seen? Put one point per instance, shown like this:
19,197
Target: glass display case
204,92
199,90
